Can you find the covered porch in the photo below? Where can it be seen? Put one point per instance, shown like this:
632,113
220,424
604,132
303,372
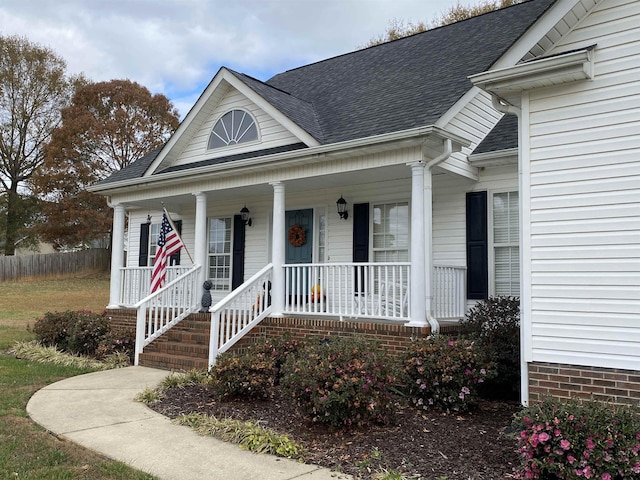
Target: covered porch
374,261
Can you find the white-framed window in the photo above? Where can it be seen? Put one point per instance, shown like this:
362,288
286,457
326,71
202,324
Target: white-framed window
505,237
154,233
234,127
220,235
391,232
321,235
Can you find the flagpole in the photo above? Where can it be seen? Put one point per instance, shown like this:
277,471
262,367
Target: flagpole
177,233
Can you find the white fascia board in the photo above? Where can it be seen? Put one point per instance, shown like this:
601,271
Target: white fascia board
414,136
563,68
489,159
188,120
270,110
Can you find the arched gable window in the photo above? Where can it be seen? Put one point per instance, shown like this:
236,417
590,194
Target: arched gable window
236,126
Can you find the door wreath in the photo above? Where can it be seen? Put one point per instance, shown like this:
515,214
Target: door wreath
297,237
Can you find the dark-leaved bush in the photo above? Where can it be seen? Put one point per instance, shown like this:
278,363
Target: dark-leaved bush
249,375
445,373
117,340
578,439
495,325
341,382
78,332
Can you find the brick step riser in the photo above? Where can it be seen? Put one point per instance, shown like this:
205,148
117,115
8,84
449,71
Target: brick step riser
177,349
169,363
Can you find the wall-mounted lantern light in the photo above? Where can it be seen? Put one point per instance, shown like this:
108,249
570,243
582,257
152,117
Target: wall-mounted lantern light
245,216
342,208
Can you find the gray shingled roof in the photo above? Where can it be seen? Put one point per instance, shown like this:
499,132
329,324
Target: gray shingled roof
503,136
407,83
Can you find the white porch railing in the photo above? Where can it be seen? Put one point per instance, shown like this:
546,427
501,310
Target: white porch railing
164,308
352,290
239,312
136,281
369,290
449,294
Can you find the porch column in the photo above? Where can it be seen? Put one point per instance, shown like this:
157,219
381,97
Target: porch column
117,255
418,263
200,241
278,248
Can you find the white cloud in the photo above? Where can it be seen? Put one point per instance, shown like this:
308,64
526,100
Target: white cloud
176,46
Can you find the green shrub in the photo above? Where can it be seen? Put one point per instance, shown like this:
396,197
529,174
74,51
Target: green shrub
445,373
86,333
117,340
344,381
243,375
495,325
83,333
279,349
573,440
52,330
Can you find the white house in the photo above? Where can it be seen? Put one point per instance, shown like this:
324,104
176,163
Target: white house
398,184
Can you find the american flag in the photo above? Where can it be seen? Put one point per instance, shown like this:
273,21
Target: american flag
169,243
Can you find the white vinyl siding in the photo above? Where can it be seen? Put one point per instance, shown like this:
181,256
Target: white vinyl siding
584,186
272,134
505,235
220,236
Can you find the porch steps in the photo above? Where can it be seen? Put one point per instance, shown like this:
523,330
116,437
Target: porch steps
184,347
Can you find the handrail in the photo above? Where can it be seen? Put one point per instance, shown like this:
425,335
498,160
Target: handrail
164,308
236,314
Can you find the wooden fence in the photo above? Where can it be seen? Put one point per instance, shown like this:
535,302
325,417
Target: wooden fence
53,264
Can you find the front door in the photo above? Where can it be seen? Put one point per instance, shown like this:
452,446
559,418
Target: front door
299,249
299,224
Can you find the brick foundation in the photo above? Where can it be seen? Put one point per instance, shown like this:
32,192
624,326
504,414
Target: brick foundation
393,338
571,381
122,318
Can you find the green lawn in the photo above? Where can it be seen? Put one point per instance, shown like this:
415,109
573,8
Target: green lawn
26,450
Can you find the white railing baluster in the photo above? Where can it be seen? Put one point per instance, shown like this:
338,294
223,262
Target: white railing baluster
158,312
240,311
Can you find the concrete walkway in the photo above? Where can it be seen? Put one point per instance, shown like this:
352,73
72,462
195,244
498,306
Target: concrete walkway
98,411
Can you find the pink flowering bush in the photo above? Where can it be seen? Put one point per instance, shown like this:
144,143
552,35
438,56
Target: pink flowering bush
341,382
575,440
442,372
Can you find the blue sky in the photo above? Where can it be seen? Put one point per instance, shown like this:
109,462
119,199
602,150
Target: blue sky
175,47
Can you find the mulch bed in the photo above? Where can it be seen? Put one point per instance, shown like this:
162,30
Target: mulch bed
420,444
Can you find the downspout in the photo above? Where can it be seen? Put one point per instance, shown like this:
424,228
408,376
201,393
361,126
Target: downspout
505,107
428,225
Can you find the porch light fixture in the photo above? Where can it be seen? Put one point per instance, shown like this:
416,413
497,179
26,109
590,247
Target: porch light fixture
148,219
342,208
245,216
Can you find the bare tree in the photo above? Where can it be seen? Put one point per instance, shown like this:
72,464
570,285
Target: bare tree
33,90
399,29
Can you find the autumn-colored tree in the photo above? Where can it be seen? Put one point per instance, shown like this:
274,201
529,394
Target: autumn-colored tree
399,29
33,89
107,126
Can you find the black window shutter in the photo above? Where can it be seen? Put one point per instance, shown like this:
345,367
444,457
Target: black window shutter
360,238
143,257
477,257
175,258
237,275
